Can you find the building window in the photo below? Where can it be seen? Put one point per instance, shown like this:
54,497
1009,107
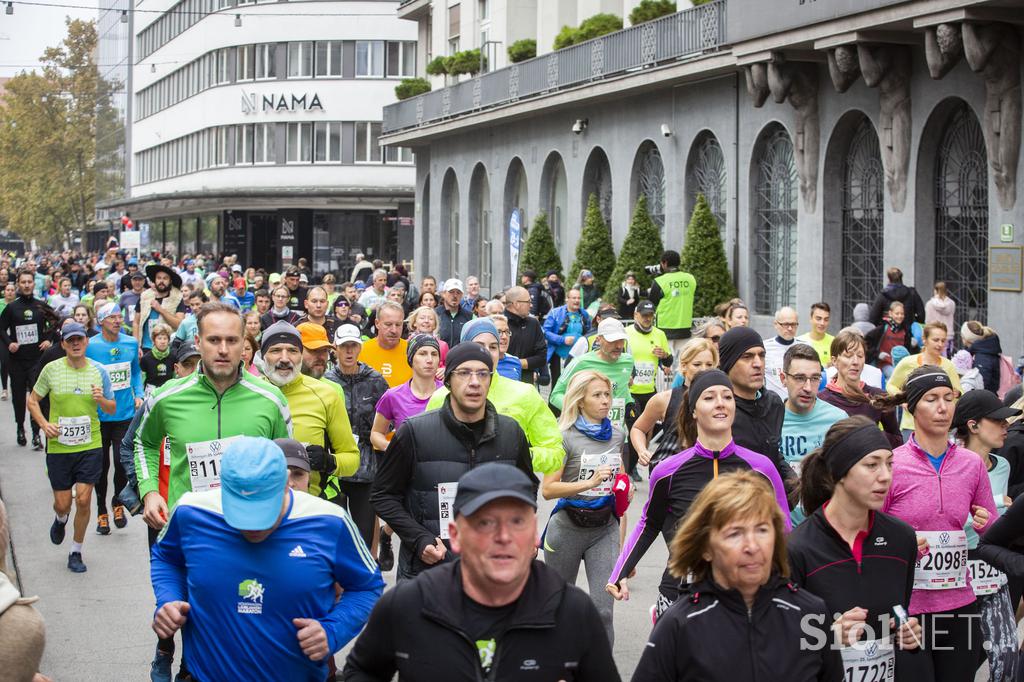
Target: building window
265,61
398,155
651,184
223,66
219,148
370,58
300,142
328,58
367,147
774,228
263,143
243,144
454,21
862,231
245,63
300,60
401,60
484,9
707,177
327,142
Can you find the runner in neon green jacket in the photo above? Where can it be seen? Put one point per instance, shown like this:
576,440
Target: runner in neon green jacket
197,422
522,402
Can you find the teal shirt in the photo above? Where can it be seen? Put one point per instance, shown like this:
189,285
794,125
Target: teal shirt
803,433
999,477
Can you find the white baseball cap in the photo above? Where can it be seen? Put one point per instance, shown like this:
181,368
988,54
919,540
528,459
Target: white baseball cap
236,268
346,333
453,285
611,329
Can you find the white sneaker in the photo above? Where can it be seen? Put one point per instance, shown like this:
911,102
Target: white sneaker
3,396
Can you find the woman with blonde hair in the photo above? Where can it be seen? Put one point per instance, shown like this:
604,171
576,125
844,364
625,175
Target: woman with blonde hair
732,547
423,320
734,313
584,525
696,356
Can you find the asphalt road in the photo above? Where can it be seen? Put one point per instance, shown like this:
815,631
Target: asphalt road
98,622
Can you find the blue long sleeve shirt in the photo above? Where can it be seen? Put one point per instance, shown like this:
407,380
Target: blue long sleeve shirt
243,596
121,360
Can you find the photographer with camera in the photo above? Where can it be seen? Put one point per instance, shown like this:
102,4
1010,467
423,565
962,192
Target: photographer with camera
672,294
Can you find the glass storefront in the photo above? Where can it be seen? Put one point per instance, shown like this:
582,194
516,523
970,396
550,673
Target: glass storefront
209,229
338,236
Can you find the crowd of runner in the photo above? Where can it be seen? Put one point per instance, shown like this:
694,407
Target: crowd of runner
835,507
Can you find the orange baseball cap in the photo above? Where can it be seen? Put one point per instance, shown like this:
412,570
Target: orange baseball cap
314,336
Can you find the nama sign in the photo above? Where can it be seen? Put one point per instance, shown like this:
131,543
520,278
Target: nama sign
254,104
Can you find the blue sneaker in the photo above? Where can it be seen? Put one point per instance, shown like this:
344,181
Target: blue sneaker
160,668
57,531
75,564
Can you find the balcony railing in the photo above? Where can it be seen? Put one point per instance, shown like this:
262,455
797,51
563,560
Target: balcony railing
684,34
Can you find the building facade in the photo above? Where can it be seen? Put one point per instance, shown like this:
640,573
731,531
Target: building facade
254,130
832,139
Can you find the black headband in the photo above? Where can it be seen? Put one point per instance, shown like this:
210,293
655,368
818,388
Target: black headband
705,380
918,385
853,447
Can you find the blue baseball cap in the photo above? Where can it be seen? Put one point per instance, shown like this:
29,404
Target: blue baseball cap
253,476
72,329
360,285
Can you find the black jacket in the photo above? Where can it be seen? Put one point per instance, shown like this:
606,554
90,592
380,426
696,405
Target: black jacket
362,391
913,306
270,317
449,327
434,448
873,340
987,354
1001,545
156,373
26,312
540,300
557,293
708,635
1013,452
758,427
527,342
416,630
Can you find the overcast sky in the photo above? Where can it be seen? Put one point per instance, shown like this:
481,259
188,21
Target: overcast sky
30,30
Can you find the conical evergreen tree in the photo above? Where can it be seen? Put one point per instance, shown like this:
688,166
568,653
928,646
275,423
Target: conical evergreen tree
594,251
642,247
704,257
539,253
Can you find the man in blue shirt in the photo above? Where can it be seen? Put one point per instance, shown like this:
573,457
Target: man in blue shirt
119,355
248,571
241,297
807,419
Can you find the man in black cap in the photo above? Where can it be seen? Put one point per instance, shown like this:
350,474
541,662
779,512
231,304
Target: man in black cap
497,604
163,302
296,292
416,480
130,298
759,412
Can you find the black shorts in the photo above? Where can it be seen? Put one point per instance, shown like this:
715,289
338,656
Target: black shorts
67,468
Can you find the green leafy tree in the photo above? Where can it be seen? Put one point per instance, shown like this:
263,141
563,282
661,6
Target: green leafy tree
704,257
539,253
48,128
565,37
410,87
521,50
649,10
438,66
642,247
467,61
594,251
591,27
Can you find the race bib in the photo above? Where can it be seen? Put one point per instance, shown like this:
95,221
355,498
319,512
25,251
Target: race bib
944,567
445,500
617,414
74,430
120,375
589,464
26,334
869,662
644,373
204,463
985,578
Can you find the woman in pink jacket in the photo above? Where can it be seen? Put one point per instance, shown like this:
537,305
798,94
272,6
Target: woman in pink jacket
936,486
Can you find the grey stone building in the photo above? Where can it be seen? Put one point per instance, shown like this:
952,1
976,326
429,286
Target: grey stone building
833,139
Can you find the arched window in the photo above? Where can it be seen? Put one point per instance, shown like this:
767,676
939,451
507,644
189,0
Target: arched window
862,226
480,227
450,222
555,197
516,197
961,215
775,197
597,180
649,179
707,177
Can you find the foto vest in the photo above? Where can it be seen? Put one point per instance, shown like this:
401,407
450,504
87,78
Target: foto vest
675,309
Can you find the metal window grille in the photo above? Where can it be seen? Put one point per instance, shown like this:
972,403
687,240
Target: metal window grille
707,177
862,214
651,183
775,224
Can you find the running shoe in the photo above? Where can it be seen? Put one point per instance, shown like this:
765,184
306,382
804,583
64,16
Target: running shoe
120,518
385,555
75,564
160,668
3,396
103,524
22,441
37,442
57,531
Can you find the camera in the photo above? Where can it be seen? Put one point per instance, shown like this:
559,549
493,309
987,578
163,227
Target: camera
653,269
665,130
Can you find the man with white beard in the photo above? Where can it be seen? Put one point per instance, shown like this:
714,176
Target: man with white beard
319,417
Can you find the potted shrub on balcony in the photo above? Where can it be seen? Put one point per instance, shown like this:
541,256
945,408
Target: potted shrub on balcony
649,10
521,50
410,87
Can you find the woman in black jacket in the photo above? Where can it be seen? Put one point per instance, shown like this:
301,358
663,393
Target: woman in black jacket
983,344
742,618
859,560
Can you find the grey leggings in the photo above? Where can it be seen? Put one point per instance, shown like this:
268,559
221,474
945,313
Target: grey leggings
566,545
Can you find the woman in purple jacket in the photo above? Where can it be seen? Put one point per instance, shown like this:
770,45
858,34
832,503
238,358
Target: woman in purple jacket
705,428
936,485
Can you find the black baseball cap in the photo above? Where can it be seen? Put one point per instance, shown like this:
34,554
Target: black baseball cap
645,308
185,351
981,404
295,454
490,482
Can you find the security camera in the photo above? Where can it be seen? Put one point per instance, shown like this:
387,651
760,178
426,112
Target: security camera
579,126
665,130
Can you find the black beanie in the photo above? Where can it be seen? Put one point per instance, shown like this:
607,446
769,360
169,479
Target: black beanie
735,343
465,352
